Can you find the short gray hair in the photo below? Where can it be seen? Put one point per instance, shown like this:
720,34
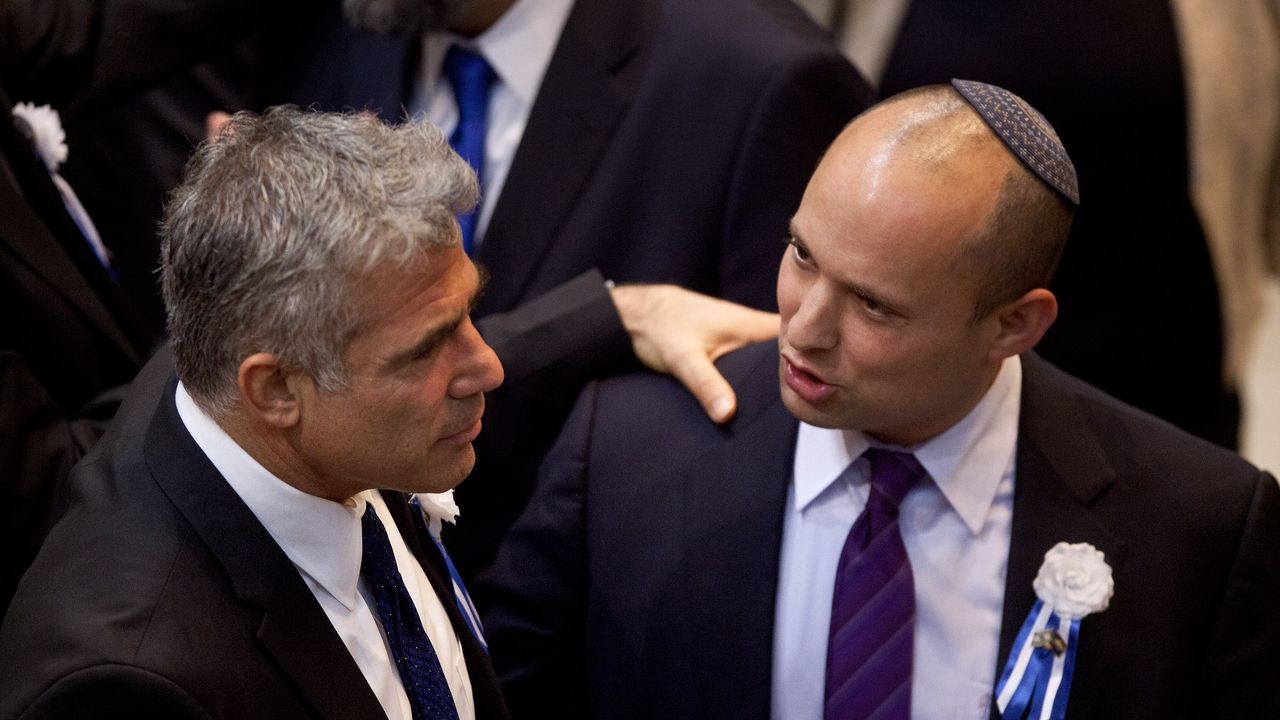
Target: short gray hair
273,223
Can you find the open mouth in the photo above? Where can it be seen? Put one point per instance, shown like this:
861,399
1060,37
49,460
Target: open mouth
806,384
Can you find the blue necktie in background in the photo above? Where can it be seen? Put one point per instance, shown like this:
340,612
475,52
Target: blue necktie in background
415,658
471,78
870,647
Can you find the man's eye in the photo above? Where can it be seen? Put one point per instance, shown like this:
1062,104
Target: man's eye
874,308
801,254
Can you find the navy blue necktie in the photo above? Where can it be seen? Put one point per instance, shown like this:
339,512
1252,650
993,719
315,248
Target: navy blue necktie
471,77
415,658
870,646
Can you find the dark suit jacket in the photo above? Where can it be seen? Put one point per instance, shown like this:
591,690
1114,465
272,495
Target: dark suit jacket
670,142
642,578
159,594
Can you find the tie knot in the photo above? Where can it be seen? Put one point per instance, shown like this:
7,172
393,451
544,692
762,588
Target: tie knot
468,72
893,474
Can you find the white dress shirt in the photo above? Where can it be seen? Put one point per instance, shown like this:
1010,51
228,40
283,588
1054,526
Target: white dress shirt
323,540
956,531
519,48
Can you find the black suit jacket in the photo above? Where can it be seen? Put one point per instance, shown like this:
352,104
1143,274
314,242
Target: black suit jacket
643,576
159,594
670,141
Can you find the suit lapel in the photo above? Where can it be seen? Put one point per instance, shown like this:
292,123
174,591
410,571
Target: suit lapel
484,681
1058,476
294,629
736,498
583,95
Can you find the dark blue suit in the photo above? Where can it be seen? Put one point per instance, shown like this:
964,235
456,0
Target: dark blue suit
642,578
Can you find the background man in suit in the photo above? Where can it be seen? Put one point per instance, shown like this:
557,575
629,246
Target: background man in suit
230,555
668,568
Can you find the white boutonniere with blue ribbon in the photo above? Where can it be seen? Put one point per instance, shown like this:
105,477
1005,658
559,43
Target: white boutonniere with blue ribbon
435,510
1074,581
44,129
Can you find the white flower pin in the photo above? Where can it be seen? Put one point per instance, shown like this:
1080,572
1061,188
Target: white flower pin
438,508
1075,580
46,128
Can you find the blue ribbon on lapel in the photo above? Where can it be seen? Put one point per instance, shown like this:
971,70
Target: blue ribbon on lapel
460,594
1036,680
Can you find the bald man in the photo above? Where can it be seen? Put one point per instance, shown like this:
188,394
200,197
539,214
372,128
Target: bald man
912,515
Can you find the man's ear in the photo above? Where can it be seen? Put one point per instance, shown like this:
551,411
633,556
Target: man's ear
1023,322
267,391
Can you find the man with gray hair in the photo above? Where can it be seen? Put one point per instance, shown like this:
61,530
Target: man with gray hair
261,537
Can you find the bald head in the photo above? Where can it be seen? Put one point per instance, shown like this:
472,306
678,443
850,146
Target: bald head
1017,245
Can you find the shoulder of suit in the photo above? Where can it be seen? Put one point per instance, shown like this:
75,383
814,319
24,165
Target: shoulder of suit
1132,437
752,371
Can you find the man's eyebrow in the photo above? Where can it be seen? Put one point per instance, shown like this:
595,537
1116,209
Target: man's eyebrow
437,335
793,234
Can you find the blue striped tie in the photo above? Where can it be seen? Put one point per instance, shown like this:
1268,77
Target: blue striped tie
471,77
869,649
415,658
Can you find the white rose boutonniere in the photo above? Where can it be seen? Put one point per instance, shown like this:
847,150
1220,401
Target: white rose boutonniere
46,129
1075,580
438,509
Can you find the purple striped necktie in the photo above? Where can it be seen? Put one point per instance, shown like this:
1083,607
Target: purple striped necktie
873,608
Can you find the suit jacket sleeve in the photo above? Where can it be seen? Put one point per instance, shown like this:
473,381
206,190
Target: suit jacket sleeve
800,111
532,599
572,332
1243,670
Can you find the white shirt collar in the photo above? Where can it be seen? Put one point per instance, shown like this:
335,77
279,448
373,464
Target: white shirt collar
518,46
321,537
962,461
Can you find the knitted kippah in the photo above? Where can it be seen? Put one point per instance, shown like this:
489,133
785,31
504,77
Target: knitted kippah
1025,132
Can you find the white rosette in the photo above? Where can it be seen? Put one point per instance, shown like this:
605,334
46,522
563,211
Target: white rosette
46,129
1074,582
438,509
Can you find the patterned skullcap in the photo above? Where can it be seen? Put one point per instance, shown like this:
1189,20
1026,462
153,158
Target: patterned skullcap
1025,132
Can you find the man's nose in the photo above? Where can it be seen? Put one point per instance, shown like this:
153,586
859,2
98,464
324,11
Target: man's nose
481,370
814,325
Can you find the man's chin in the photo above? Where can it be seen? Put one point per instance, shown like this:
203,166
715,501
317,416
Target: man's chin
807,413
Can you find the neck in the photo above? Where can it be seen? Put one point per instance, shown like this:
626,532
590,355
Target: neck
481,17
274,452
911,437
